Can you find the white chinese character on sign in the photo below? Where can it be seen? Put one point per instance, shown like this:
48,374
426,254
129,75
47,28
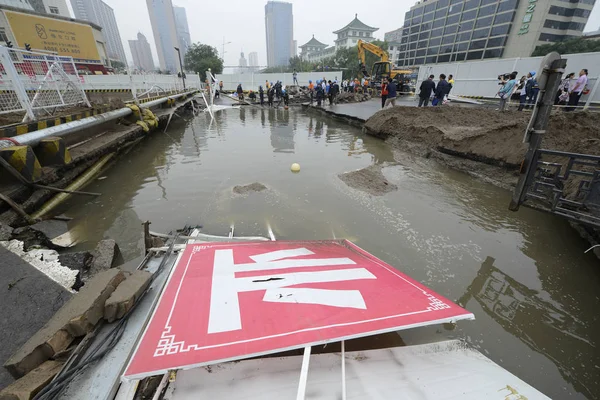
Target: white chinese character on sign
224,302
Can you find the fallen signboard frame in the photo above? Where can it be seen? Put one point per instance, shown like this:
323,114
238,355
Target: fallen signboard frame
230,301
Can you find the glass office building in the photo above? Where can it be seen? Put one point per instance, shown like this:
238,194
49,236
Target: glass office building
463,30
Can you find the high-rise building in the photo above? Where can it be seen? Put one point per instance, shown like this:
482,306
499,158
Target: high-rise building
162,19
253,59
142,55
243,64
102,14
279,27
55,7
438,31
183,30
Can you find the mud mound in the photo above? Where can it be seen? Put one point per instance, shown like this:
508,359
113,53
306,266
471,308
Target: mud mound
484,135
253,187
370,180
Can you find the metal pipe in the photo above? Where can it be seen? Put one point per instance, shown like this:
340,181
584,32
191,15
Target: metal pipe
78,183
33,138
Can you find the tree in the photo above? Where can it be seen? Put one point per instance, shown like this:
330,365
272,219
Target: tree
118,65
569,46
200,57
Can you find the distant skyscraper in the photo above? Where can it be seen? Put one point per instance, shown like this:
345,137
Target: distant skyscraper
279,27
183,30
142,55
165,33
253,59
102,14
243,64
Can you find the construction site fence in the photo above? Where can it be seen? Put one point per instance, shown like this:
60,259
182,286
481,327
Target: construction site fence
479,79
251,81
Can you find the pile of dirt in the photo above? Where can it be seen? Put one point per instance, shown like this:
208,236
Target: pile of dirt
369,179
301,95
253,187
484,135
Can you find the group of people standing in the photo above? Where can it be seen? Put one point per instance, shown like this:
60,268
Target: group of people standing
324,89
569,92
438,94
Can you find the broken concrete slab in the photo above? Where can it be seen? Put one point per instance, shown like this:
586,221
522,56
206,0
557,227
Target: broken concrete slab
77,317
6,232
32,383
106,255
127,294
41,234
29,300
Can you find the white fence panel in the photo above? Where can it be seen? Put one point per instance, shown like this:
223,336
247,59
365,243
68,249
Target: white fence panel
251,81
479,78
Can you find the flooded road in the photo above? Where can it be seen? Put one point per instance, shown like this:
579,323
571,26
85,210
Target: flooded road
534,293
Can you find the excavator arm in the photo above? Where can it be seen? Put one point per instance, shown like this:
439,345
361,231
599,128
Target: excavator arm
371,48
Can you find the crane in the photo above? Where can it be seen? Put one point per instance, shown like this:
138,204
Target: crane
382,68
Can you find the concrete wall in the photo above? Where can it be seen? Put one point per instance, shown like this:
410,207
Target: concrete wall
253,81
479,78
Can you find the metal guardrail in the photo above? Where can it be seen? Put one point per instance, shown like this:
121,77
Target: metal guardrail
33,138
561,172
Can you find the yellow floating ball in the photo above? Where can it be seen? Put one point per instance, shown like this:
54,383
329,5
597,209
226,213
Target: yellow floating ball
295,167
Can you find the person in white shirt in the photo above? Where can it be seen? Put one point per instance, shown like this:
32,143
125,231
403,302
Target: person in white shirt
577,90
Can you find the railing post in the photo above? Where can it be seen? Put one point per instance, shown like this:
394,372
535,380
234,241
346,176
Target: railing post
17,84
552,68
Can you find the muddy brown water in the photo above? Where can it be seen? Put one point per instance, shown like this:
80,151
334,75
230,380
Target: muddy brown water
534,292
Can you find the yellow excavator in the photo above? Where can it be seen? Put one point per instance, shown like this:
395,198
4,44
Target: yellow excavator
383,68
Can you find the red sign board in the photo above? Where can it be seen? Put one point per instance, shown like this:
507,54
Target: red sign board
229,301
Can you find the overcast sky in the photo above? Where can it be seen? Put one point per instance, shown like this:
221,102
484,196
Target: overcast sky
242,22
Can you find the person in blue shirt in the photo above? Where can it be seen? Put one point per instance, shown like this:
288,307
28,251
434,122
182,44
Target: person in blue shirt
506,91
392,93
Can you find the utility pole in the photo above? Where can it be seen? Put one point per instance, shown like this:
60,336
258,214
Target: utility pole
553,67
223,49
180,66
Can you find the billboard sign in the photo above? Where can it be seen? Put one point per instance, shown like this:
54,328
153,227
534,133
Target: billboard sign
63,37
229,301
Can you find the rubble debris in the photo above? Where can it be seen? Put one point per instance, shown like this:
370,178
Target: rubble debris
106,255
32,383
126,295
6,232
369,179
76,318
80,261
253,187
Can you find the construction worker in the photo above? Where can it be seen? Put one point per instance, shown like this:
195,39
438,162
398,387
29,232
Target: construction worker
311,89
320,93
220,86
267,85
261,95
252,96
295,75
240,92
270,96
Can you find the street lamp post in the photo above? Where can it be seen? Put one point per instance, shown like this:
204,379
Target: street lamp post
180,66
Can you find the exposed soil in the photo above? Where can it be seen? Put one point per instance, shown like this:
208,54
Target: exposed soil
369,179
253,187
485,134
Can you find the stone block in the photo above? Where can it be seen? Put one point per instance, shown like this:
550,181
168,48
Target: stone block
29,385
106,255
76,318
126,295
52,151
23,159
